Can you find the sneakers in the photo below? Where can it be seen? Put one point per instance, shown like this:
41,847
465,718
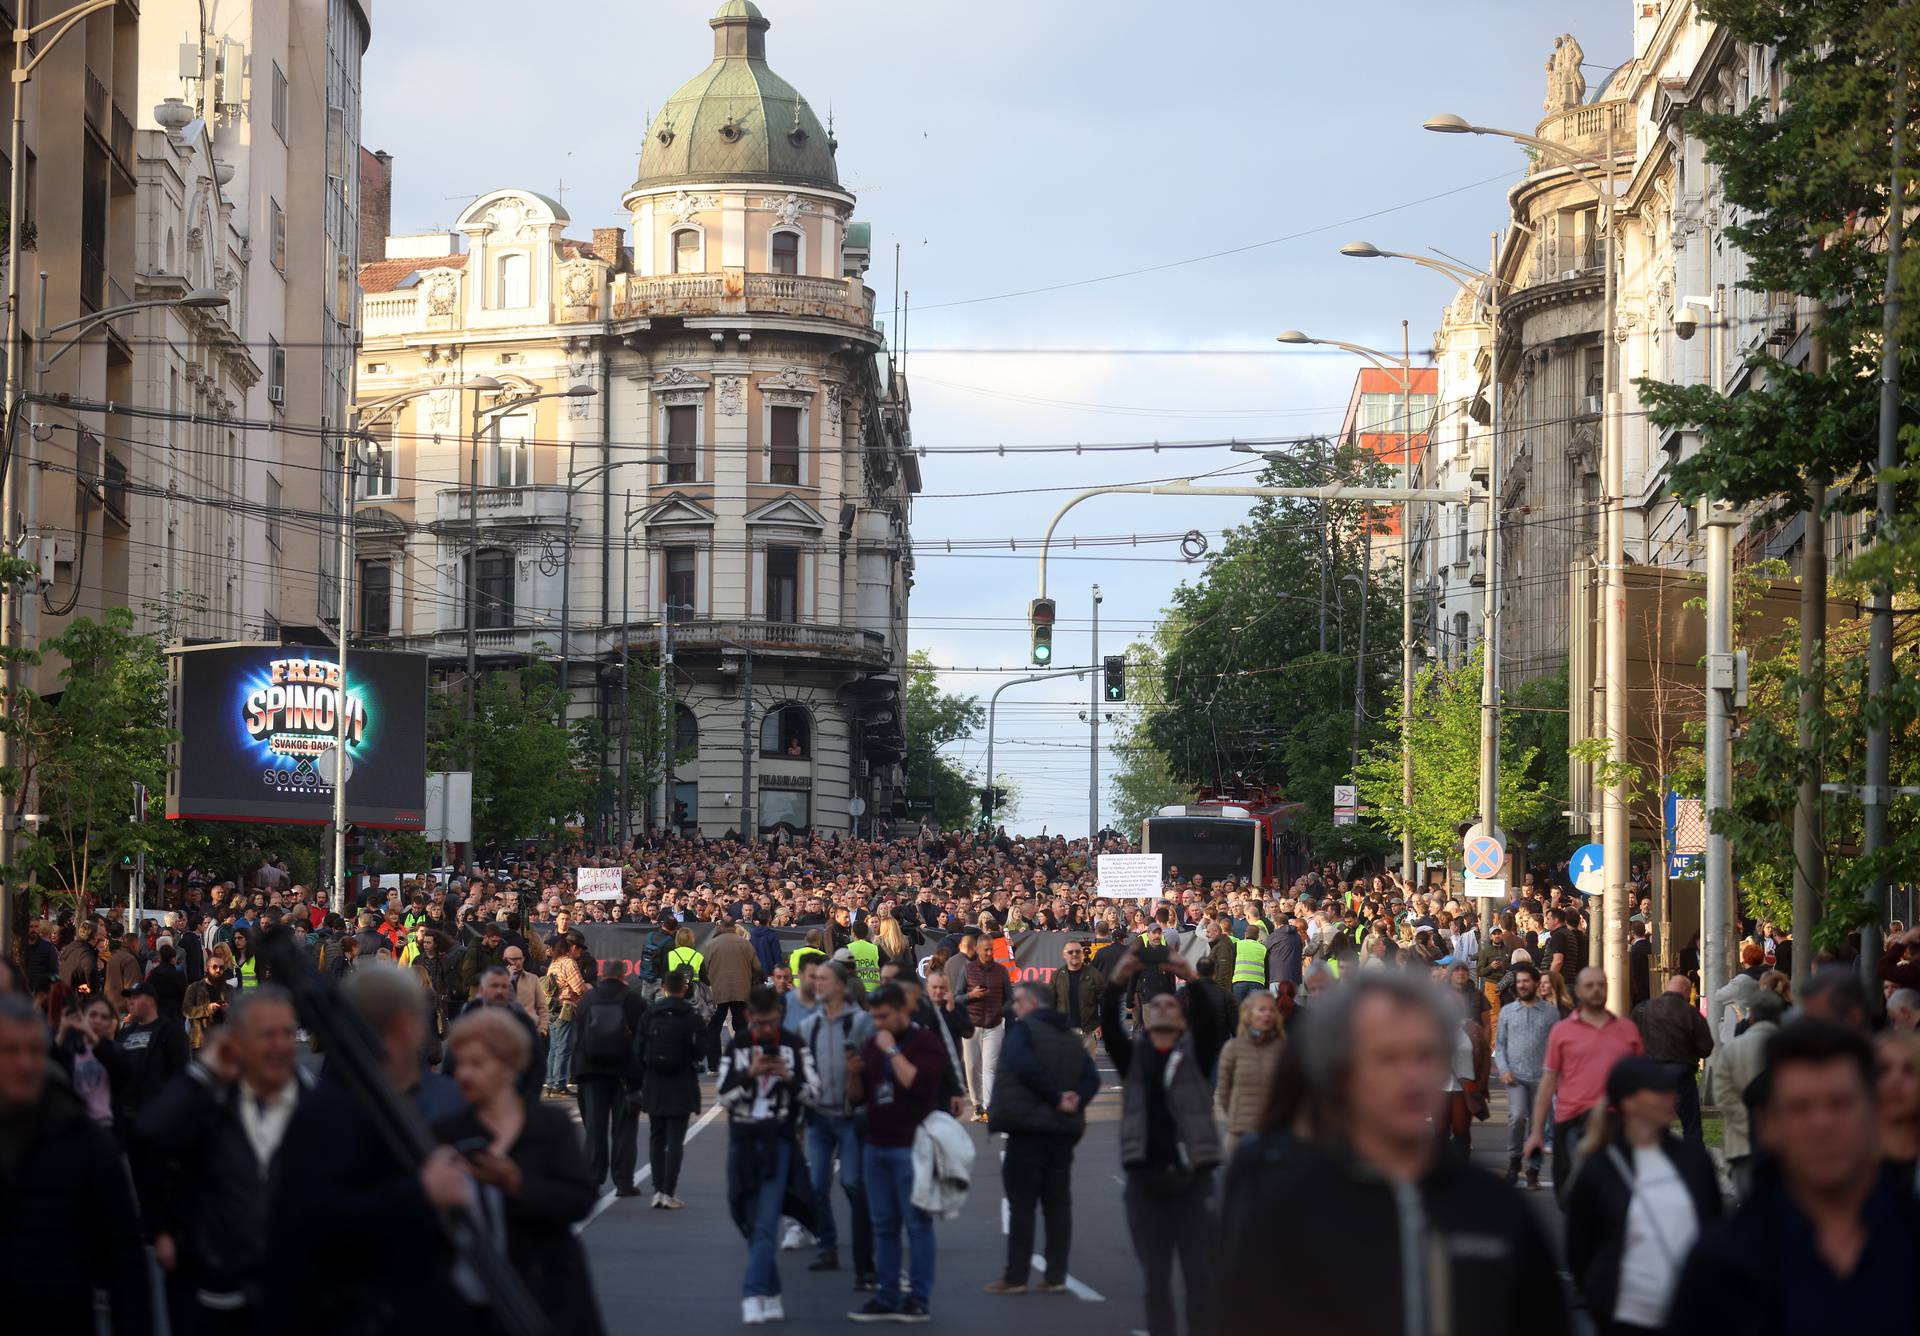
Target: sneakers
631,1190
825,1262
672,1204
659,1200
796,1238
912,1310
753,1310
1005,1287
866,1281
1051,1287
1533,1180
875,1311
771,1309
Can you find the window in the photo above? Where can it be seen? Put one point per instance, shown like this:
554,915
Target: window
514,287
686,251
680,583
786,731
273,511
277,228
1460,634
686,733
1460,534
279,111
490,592
791,808
683,426
376,477
510,461
276,373
783,584
783,461
376,598
786,252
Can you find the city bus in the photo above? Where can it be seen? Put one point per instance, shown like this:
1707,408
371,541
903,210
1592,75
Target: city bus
1248,837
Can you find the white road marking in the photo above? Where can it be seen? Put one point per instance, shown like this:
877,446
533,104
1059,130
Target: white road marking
1077,1288
645,1173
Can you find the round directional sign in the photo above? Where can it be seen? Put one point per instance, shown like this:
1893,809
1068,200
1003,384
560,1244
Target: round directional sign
1485,856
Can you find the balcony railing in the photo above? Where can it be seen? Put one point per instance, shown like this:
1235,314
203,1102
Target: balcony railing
774,637
1584,130
97,103
535,503
121,140
736,292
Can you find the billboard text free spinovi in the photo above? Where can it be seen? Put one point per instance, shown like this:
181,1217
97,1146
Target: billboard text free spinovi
257,729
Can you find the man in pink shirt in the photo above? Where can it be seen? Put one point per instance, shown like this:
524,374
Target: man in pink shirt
1581,1050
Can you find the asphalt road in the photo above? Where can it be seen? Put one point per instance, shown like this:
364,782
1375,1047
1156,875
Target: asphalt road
681,1270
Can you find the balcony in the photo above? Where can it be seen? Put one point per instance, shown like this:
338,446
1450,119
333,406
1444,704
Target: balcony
810,638
93,276
120,141
736,292
537,503
1584,130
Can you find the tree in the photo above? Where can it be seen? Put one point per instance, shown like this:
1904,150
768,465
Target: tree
934,719
1446,766
1143,780
1250,697
533,770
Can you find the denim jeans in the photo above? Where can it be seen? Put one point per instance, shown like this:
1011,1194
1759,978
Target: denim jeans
829,1134
763,1222
1520,1097
559,1052
1246,989
889,1175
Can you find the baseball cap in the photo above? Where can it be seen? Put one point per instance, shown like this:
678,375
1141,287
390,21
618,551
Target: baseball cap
136,989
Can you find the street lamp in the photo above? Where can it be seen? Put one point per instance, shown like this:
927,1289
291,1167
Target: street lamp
481,416
1614,830
1402,370
1467,279
361,416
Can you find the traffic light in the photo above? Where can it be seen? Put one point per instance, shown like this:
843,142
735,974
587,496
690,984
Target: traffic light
1115,668
1040,615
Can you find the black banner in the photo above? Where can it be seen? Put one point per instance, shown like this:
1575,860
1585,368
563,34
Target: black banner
258,729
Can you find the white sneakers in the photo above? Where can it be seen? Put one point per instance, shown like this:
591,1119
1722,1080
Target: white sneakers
759,1309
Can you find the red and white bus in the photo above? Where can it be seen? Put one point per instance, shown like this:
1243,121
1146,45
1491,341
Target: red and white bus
1249,836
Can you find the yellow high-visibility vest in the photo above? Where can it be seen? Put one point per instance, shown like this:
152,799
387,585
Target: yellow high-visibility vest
1249,962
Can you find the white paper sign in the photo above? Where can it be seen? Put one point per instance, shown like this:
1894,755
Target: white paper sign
1487,888
1129,877
597,883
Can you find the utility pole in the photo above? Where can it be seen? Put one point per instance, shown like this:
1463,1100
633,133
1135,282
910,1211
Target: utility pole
1407,871
1614,828
1093,719
1876,796
667,720
626,686
746,742
1716,887
1360,655
993,709
1490,563
1809,836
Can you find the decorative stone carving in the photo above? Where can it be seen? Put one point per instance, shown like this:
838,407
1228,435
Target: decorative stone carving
834,393
675,375
684,206
440,409
791,378
509,221
579,281
729,395
443,292
1566,85
787,209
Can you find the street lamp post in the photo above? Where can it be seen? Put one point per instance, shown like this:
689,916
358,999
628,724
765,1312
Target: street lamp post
1489,283
1093,719
1402,371
483,414
1614,830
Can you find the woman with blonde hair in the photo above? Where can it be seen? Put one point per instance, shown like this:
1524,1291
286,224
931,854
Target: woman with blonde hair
1247,1066
1557,992
529,1167
892,941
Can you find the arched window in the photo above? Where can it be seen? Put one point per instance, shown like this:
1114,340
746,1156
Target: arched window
787,731
490,590
686,734
786,252
686,251
514,289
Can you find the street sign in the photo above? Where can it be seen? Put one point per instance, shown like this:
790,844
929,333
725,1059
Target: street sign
1346,795
1346,817
1587,867
1487,888
1485,853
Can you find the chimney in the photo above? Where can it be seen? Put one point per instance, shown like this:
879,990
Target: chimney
607,245
376,204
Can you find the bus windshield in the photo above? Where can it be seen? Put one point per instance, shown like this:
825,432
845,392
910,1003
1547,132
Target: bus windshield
1213,847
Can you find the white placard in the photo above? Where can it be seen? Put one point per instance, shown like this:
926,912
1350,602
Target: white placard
1346,795
1487,888
597,883
1129,877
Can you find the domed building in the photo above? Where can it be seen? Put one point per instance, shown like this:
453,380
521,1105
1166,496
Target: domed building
734,497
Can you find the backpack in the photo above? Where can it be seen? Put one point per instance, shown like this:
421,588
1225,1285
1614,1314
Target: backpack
653,955
605,1041
670,1037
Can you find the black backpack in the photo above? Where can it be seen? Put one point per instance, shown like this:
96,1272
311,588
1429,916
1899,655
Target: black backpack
670,1037
605,1041
653,955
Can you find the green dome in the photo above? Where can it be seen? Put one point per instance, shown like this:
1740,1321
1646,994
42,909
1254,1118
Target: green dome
737,120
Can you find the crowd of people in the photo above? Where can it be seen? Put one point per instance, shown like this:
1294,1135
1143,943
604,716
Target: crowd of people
1326,1046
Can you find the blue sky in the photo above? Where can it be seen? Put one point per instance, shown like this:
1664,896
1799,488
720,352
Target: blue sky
1010,146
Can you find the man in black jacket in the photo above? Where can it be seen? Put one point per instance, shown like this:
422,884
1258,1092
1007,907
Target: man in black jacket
1676,1034
1450,1249
209,1147
606,1067
69,1227
155,1049
1040,1097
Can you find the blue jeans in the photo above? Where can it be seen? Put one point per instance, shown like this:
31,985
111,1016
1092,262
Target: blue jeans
828,1134
763,1225
889,1173
1244,990
559,1052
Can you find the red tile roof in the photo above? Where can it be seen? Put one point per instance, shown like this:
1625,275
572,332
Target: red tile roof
388,275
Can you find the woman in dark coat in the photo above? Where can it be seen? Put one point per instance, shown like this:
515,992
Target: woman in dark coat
530,1165
671,1045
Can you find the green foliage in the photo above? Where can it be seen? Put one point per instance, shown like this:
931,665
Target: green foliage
1446,766
1534,724
1249,699
935,718
408,851
1143,780
534,772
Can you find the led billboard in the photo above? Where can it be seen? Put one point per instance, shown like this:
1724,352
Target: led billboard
258,735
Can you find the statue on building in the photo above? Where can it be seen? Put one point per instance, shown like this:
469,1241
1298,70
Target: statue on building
1566,86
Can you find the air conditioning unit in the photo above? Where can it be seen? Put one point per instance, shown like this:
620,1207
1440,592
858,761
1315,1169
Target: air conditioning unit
277,395
1591,404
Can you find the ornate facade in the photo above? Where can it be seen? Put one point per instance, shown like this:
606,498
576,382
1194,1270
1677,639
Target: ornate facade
740,480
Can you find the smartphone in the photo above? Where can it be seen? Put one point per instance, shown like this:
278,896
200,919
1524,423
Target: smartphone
468,1147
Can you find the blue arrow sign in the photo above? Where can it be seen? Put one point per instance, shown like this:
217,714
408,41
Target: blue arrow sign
1587,867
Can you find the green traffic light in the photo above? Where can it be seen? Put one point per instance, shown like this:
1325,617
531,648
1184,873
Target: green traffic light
1042,652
